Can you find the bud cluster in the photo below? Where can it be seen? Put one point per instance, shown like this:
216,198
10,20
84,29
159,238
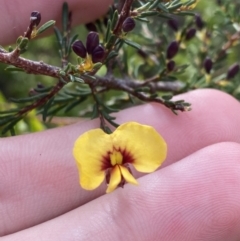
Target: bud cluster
92,53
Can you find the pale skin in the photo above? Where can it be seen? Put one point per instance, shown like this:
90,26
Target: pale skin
194,197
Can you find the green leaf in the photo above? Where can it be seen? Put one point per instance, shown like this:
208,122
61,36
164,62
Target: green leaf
6,119
132,44
11,125
90,77
149,14
58,36
107,34
145,20
4,112
19,39
144,7
43,90
71,42
79,80
62,99
65,19
55,110
13,68
190,3
46,108
106,129
113,123
12,131
10,48
97,66
119,45
110,109
71,93
76,79
94,112
45,26
163,8
154,5
111,41
23,43
75,103
162,15
174,7
112,55
114,19
167,97
107,116
28,99
62,80
83,91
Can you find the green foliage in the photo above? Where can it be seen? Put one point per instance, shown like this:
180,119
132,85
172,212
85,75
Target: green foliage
138,66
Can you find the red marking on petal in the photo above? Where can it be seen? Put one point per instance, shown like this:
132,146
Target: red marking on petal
127,158
106,163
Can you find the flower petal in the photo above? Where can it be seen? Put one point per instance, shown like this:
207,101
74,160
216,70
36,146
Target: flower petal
115,179
128,177
89,150
143,143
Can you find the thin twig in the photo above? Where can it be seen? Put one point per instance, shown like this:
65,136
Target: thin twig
43,100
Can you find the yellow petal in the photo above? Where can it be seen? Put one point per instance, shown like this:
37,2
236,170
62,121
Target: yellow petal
89,151
143,143
115,179
116,158
128,177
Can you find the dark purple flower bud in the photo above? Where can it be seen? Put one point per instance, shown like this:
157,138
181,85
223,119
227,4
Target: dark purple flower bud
128,25
35,18
207,64
232,71
172,49
173,24
79,49
98,54
92,41
199,22
170,65
91,27
190,33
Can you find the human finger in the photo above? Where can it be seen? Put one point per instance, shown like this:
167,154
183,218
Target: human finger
196,198
39,169
15,15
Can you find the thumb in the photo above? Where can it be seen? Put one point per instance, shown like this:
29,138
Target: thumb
14,15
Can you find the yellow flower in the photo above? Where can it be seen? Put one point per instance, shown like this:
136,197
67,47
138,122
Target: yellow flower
99,155
87,65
